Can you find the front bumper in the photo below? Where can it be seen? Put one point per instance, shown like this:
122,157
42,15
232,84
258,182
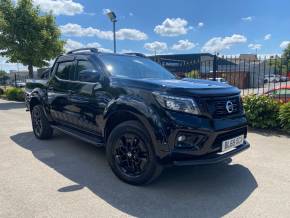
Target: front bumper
213,158
211,132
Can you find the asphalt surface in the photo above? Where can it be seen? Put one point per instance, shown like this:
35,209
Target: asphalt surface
64,177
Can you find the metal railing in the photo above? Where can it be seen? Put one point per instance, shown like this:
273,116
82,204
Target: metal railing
252,75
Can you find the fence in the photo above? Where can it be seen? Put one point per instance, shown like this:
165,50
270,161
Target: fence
251,75
16,80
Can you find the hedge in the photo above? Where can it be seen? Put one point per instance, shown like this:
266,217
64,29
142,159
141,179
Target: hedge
284,116
15,94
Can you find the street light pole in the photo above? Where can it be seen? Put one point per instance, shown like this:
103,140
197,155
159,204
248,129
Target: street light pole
112,16
114,32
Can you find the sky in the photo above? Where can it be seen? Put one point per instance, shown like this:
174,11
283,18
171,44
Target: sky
226,27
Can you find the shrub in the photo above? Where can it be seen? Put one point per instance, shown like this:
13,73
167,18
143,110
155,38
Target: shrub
15,94
284,116
261,111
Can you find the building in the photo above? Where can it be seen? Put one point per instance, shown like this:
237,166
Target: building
181,64
21,75
245,71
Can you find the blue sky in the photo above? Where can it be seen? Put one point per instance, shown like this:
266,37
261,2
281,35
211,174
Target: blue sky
225,26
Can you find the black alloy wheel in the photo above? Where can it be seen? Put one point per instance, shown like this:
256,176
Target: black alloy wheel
40,124
131,155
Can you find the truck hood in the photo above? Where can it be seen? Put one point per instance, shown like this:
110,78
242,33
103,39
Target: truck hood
181,87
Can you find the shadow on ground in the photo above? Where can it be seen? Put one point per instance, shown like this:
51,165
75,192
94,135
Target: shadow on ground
207,191
11,105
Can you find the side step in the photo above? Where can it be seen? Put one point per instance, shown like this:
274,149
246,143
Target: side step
80,135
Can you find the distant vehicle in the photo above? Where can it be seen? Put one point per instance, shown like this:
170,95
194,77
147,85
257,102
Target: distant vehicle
271,78
283,79
221,80
280,93
20,84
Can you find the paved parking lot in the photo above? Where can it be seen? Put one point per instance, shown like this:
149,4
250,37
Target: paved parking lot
65,177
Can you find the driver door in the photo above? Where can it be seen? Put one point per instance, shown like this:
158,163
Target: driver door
87,106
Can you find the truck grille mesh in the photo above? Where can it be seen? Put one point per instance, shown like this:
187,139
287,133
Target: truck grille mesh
220,108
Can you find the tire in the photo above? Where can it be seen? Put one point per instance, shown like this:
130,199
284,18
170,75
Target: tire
130,154
40,124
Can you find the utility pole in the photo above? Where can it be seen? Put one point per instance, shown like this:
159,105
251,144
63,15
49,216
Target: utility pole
112,16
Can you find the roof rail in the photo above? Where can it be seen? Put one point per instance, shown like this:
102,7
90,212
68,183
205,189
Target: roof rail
83,49
136,54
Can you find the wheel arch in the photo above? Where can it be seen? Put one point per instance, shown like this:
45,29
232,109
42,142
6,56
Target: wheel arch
37,97
147,118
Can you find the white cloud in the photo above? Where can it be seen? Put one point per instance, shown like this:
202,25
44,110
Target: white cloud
255,46
217,44
5,65
71,29
60,7
172,27
71,45
267,37
284,44
155,46
183,45
200,24
131,34
131,14
248,19
122,34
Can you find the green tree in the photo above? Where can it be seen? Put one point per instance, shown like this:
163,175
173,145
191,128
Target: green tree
3,77
2,73
285,61
26,36
286,52
281,65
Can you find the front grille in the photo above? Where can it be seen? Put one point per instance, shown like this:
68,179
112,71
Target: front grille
220,106
229,135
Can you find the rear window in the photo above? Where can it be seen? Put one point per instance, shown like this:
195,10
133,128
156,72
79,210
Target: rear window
65,70
87,72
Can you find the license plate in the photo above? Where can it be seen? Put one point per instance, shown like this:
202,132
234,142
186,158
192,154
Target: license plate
232,143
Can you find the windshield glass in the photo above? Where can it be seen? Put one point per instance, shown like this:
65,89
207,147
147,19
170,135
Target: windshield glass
134,67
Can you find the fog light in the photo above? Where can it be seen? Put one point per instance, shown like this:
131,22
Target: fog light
189,141
181,138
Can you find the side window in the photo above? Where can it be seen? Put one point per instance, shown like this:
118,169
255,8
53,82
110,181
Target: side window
65,70
87,72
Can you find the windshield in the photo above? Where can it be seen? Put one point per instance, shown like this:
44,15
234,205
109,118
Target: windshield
134,67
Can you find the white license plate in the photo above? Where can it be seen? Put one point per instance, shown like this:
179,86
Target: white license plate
232,143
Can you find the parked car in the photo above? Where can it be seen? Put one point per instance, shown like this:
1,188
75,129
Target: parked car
20,84
280,93
271,78
221,80
144,116
283,79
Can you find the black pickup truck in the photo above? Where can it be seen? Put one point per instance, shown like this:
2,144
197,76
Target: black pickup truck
144,116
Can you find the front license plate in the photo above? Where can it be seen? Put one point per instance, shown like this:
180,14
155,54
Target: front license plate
232,143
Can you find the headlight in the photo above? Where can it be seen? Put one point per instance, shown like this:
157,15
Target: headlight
186,105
